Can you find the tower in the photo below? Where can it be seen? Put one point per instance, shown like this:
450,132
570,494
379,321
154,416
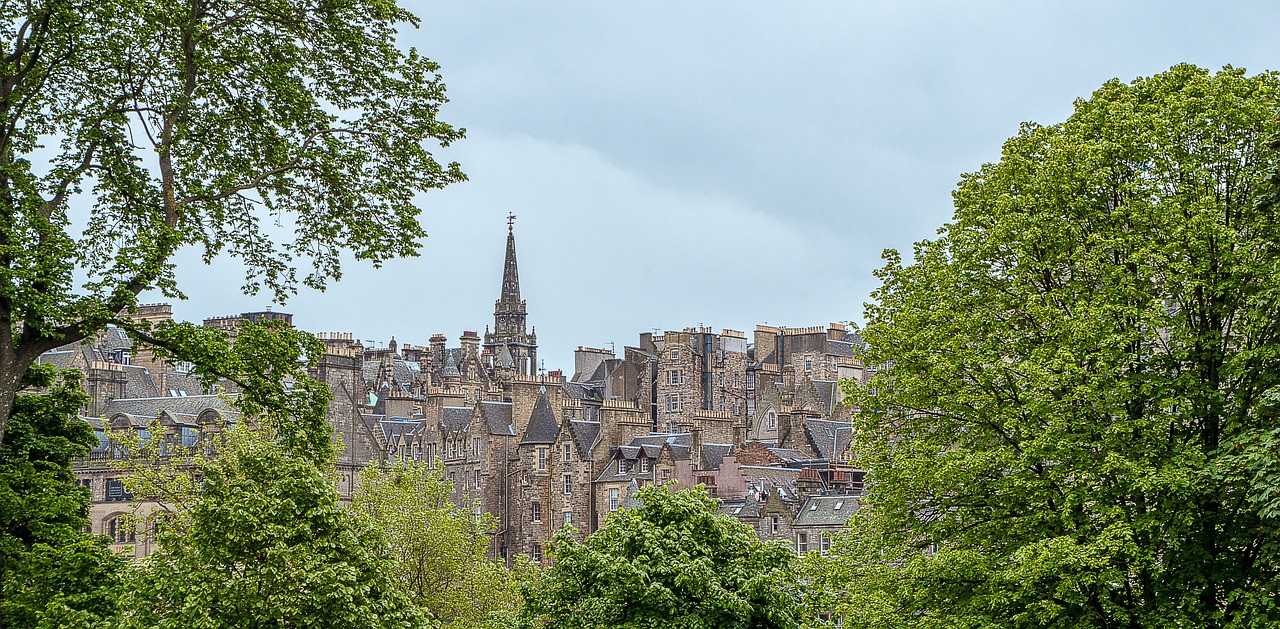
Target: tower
509,315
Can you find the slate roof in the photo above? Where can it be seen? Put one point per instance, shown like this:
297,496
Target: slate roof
403,371
395,427
182,384
583,391
542,427
497,416
584,436
187,406
138,383
114,338
826,511
827,392
504,359
451,366
455,419
59,359
632,501
842,349
713,454
823,434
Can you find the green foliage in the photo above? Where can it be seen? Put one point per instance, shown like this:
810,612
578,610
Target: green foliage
268,546
441,548
1080,410
283,133
51,573
672,562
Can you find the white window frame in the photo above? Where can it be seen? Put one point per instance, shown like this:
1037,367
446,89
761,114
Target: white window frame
613,499
542,458
535,510
568,484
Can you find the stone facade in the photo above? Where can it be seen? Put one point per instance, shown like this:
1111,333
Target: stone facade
759,424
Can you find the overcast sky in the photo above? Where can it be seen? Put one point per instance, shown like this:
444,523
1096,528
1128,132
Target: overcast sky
724,163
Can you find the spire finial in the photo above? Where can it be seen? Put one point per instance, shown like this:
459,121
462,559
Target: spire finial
511,221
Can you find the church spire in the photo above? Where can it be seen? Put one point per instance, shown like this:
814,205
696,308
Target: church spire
509,315
510,276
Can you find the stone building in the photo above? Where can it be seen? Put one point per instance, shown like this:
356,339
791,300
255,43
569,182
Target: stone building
755,422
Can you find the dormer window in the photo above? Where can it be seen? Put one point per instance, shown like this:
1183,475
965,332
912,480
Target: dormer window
644,465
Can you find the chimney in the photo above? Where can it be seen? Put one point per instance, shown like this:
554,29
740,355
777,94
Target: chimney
695,447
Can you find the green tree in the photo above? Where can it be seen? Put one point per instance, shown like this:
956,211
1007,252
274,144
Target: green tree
1078,410
51,573
671,562
440,547
281,132
267,545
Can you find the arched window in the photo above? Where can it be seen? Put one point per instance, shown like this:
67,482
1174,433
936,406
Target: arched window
120,530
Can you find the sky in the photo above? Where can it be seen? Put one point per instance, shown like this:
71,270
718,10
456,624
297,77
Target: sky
727,164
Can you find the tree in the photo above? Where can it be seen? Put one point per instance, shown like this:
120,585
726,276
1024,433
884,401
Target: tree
267,545
51,573
129,130
671,562
440,547
1077,422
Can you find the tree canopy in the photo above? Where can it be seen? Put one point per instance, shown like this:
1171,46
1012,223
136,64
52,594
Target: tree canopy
671,562
440,547
281,132
1075,419
265,544
51,573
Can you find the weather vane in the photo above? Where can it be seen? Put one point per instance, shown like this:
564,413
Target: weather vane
511,220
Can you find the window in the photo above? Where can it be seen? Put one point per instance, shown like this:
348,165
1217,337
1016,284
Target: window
189,436
86,483
613,499
475,447
673,403
722,402
120,532
116,491
568,517
624,466
644,464
720,379
675,353
417,451
542,458
824,542
568,451
737,381
535,510
537,552
773,524
675,376
808,364
478,481
773,419
568,484
751,379
802,543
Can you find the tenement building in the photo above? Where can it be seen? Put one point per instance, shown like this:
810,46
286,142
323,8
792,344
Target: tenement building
758,420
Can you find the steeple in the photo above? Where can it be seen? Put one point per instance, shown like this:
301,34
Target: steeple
509,314
510,276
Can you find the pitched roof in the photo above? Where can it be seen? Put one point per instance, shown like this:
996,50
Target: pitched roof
504,359
138,383
451,366
59,359
188,406
713,454
584,436
826,511
826,390
542,421
455,418
497,416
825,435
842,349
